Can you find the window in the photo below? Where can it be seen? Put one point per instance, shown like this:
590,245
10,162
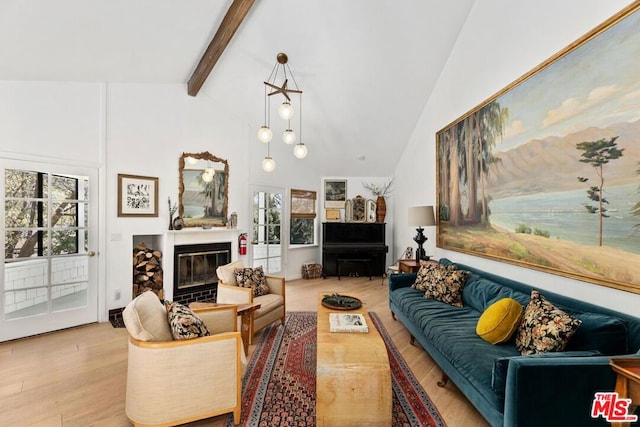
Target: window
303,217
43,215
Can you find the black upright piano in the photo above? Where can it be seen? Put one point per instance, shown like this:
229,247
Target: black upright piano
362,243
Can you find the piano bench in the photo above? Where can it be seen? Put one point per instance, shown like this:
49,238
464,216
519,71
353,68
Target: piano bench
365,261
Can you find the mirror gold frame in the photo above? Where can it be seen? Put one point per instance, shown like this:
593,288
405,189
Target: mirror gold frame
201,203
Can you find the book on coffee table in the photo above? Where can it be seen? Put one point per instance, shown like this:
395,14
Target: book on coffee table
344,322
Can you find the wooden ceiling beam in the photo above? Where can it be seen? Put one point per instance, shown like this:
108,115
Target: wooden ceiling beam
232,20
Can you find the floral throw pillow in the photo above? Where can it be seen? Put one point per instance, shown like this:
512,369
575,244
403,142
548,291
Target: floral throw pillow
544,327
252,278
184,323
443,283
448,286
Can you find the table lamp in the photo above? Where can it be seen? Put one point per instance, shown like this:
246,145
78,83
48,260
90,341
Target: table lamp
420,216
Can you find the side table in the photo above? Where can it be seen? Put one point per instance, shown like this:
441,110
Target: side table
245,311
627,382
409,265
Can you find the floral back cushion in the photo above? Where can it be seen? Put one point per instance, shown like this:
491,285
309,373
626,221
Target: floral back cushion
544,327
443,283
253,278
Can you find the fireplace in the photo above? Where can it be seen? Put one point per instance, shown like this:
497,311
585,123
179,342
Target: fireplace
194,270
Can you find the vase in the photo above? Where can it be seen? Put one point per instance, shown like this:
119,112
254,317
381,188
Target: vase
170,222
381,209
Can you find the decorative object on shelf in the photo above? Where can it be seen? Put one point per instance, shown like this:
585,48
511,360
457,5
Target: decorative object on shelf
420,216
380,192
172,211
359,213
341,302
332,215
371,211
178,223
203,190
281,70
234,220
348,211
137,195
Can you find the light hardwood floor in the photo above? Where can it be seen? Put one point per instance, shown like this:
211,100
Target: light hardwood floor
77,377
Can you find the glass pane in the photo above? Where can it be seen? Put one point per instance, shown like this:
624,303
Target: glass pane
64,242
302,232
26,274
65,297
259,233
274,234
25,243
64,187
21,184
275,201
24,303
22,213
65,214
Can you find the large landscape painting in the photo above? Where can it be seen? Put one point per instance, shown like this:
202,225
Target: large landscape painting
546,174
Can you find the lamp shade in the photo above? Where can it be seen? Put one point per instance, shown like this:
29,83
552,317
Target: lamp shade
300,151
265,134
268,164
421,216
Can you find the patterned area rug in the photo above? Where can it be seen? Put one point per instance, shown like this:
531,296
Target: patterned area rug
279,387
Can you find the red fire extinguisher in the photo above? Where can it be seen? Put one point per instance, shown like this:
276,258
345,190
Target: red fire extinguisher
242,244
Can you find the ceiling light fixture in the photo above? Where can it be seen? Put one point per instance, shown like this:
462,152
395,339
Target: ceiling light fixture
281,72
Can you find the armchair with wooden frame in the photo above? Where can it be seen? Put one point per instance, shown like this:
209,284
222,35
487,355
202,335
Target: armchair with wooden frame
272,305
171,382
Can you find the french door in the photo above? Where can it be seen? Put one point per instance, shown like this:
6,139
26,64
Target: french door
49,232
266,235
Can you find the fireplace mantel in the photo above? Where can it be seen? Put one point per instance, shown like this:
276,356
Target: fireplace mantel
194,235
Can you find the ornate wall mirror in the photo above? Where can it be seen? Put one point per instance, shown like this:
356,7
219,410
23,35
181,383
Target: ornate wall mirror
203,190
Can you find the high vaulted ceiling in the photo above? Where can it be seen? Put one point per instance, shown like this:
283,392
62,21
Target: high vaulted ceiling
366,67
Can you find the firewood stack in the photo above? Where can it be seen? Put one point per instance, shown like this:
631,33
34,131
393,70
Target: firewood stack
147,270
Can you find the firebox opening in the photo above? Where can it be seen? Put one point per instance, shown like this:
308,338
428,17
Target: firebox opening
195,267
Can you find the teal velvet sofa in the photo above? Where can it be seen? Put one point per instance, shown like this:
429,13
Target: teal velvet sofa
509,389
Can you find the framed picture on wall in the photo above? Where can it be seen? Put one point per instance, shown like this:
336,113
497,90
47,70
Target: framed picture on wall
137,195
335,193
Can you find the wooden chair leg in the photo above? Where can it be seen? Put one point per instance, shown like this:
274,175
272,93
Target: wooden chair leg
443,381
393,315
412,341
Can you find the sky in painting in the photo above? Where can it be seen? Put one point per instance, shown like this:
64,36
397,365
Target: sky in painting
597,84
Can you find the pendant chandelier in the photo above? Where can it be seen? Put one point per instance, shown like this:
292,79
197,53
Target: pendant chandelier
282,72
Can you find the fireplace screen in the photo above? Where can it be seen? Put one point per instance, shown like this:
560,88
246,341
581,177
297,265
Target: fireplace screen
195,265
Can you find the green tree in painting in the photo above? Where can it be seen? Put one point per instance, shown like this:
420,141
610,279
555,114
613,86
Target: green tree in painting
597,154
466,153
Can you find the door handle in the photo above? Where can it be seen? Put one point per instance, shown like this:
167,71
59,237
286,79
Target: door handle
91,253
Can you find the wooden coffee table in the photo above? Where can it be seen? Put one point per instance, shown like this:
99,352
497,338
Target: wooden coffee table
353,378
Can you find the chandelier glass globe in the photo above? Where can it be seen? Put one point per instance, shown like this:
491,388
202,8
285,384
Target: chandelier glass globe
300,151
265,134
289,137
285,111
268,164
207,177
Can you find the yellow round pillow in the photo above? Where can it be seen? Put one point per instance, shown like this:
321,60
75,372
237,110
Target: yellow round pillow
499,321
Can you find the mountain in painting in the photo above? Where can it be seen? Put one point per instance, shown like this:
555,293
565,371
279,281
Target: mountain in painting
553,164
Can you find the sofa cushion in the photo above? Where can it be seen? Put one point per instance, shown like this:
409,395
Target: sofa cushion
146,318
442,283
544,327
184,323
227,273
267,304
480,293
252,278
607,334
499,321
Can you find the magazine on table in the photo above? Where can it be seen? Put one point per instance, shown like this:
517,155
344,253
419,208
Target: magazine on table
345,322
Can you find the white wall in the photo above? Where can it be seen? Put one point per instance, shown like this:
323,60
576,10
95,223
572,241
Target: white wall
142,129
500,42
